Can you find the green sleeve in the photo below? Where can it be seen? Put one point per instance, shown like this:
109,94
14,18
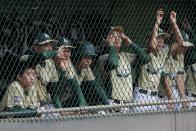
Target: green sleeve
78,97
56,89
39,57
22,112
57,102
48,54
141,56
45,55
94,93
112,61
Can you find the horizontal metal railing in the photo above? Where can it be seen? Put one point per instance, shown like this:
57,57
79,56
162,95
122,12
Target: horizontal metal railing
97,108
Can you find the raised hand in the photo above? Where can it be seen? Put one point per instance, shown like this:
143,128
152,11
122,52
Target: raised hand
173,17
60,51
160,15
126,38
110,39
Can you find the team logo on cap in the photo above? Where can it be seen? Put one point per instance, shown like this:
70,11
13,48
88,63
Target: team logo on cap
187,37
47,36
65,41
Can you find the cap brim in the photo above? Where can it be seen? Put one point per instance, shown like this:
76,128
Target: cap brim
164,35
24,58
187,44
67,46
46,41
92,55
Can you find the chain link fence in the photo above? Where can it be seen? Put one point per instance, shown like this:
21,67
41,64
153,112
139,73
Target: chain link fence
89,57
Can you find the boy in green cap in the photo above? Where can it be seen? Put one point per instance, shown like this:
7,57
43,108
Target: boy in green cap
93,92
66,92
43,53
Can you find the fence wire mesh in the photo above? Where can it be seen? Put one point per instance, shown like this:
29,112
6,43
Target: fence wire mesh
60,58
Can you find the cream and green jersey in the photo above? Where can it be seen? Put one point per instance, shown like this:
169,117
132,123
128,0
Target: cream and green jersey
85,75
16,95
121,77
174,65
47,71
191,78
114,71
150,75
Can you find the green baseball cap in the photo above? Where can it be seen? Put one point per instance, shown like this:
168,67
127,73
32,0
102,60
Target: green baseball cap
87,49
65,42
42,39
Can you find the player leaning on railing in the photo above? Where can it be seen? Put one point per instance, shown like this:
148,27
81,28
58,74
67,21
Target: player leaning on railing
21,95
42,50
173,71
66,92
52,77
150,75
42,54
65,84
93,92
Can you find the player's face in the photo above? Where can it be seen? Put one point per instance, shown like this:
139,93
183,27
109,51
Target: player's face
65,54
160,42
117,41
28,78
85,62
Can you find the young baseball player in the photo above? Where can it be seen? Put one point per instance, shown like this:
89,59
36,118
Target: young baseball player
115,68
173,72
21,94
93,92
150,75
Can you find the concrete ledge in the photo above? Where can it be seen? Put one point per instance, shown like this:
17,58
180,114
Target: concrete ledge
182,121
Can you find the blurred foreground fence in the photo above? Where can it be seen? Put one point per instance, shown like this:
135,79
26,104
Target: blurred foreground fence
89,57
